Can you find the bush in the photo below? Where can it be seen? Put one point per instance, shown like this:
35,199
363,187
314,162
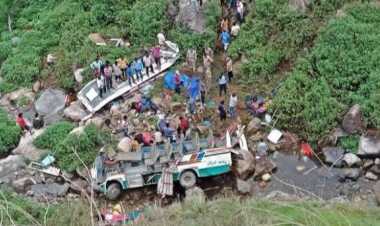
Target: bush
10,133
53,135
349,143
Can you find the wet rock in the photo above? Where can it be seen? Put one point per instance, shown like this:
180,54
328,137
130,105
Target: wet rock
244,164
352,160
244,187
97,121
50,104
20,185
299,5
124,145
353,120
351,174
369,145
195,194
49,190
371,176
11,164
79,185
254,125
264,165
26,148
75,112
333,156
190,16
376,191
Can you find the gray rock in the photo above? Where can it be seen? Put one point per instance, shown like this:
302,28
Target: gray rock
352,160
20,185
368,164
353,120
376,191
333,156
244,164
191,16
79,185
369,145
50,104
27,149
352,174
377,161
375,169
23,92
244,187
371,176
75,112
97,121
49,190
264,165
280,195
11,164
195,194
254,125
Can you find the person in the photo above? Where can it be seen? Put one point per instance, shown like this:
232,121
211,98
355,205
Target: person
222,111
107,72
207,61
224,24
50,59
222,84
165,183
184,125
139,66
21,122
235,29
99,166
240,11
225,38
229,69
177,82
117,71
232,4
100,82
191,58
123,64
168,132
38,121
192,106
232,105
96,66
148,63
124,126
156,53
130,72
203,94
147,138
70,97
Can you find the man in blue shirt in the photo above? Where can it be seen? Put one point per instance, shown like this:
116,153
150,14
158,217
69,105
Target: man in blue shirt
226,39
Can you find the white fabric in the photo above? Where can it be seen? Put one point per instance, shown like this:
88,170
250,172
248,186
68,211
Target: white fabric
233,101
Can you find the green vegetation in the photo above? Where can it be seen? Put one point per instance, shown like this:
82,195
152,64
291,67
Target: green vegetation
9,133
341,70
53,135
350,143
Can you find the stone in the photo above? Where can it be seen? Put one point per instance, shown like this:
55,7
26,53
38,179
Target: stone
51,104
376,191
78,131
20,185
36,86
97,39
351,160
78,75
244,187
289,142
75,112
369,145
377,161
244,164
23,92
375,169
264,165
353,120
371,176
49,190
352,174
79,185
26,148
368,164
299,5
333,156
254,125
11,164
266,177
195,194
190,16
97,121
280,195
124,145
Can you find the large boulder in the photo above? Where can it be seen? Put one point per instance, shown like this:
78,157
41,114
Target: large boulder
254,125
49,190
353,120
26,148
299,5
75,112
244,187
97,121
376,191
264,165
369,145
11,164
333,156
50,104
190,16
244,164
351,160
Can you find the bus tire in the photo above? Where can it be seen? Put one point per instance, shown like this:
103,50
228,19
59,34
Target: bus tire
188,179
113,191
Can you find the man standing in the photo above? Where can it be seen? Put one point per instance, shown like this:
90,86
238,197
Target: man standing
96,65
184,125
229,68
156,53
148,63
38,121
232,105
226,39
222,84
222,111
108,75
101,86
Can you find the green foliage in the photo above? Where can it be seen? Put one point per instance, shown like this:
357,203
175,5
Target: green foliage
349,143
9,133
53,135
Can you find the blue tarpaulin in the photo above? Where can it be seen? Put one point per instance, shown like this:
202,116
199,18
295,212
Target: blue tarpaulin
193,90
169,81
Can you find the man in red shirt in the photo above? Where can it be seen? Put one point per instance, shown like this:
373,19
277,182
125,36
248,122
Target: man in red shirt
184,125
20,120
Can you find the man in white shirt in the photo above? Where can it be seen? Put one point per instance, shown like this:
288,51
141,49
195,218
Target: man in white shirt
232,105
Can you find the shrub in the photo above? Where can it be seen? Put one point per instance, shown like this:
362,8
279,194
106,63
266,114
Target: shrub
53,135
9,133
349,143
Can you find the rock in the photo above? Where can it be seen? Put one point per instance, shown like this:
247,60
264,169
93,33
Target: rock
376,191
190,16
78,131
97,121
352,160
371,176
333,156
244,164
195,194
50,104
26,148
375,169
264,165
84,173
351,174
78,75
36,86
11,164
23,92
377,161
266,177
124,145
353,120
79,185
49,190
20,185
254,125
289,142
244,187
279,195
97,39
369,145
299,5
75,112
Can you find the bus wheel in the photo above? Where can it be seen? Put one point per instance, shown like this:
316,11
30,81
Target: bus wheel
113,191
188,179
